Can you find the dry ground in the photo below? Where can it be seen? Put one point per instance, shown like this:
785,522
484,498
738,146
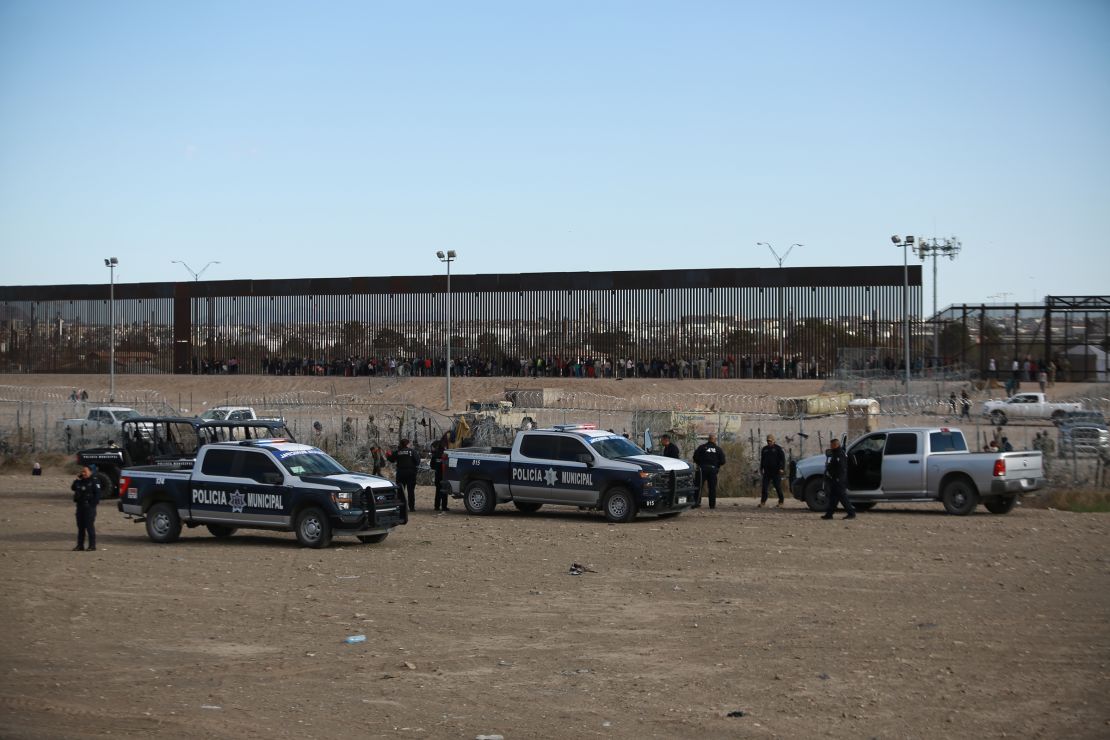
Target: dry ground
903,623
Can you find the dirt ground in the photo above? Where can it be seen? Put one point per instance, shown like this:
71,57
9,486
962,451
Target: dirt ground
903,623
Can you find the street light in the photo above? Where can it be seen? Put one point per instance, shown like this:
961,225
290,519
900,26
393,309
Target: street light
448,258
110,263
905,244
782,327
937,248
196,279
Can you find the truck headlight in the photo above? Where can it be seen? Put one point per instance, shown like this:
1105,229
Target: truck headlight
342,499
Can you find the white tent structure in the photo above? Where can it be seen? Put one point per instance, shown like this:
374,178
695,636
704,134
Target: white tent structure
1088,361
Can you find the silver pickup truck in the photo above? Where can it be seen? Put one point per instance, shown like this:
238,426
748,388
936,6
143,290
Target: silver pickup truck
925,464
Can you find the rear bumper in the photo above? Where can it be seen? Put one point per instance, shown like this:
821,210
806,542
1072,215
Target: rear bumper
1017,486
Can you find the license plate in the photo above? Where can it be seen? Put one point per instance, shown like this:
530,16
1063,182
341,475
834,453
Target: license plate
681,499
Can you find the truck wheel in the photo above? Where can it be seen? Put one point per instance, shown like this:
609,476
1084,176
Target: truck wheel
107,487
1057,417
221,531
959,497
998,418
1000,505
162,523
313,528
528,507
479,498
619,505
372,539
864,505
815,496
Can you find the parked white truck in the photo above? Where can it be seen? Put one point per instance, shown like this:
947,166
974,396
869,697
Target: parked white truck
925,464
99,421
1026,406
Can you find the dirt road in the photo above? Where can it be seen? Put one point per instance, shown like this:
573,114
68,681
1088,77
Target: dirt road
903,623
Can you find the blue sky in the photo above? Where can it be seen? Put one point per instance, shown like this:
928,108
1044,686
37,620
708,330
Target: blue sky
332,138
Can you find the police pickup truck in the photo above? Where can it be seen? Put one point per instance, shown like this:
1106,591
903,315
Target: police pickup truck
569,465
262,484
925,464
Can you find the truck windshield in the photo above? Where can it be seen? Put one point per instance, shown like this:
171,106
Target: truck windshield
313,462
615,447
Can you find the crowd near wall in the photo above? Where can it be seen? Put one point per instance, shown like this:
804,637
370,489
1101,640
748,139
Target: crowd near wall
786,322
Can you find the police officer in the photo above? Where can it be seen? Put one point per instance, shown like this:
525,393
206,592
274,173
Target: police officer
709,458
439,447
836,480
86,494
407,461
670,449
772,464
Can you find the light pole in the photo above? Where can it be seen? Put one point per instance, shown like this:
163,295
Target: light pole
450,257
110,263
905,244
782,327
937,248
196,279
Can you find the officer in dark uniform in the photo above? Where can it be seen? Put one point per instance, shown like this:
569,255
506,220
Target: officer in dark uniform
772,464
439,447
670,449
86,494
836,480
709,458
407,461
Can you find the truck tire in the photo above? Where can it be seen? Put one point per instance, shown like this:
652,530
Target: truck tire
478,498
1000,505
1057,417
959,496
619,505
528,507
313,528
162,523
372,539
107,487
998,418
815,496
221,531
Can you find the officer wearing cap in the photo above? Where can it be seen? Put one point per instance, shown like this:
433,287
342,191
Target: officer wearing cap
836,480
670,449
406,460
709,457
772,464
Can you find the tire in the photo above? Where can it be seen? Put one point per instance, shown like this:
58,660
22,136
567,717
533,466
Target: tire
998,418
221,531
478,498
107,487
163,525
959,497
372,539
864,505
528,507
1057,417
1001,505
815,496
619,506
313,528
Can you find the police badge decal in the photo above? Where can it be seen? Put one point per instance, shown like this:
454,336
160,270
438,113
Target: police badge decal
238,501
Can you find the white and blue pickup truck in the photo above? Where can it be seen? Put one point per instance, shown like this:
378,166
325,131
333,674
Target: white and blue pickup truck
262,484
570,465
925,464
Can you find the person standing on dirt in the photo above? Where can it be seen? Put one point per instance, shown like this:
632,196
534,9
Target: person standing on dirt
377,459
670,449
772,465
965,405
439,448
407,461
86,494
709,458
836,480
